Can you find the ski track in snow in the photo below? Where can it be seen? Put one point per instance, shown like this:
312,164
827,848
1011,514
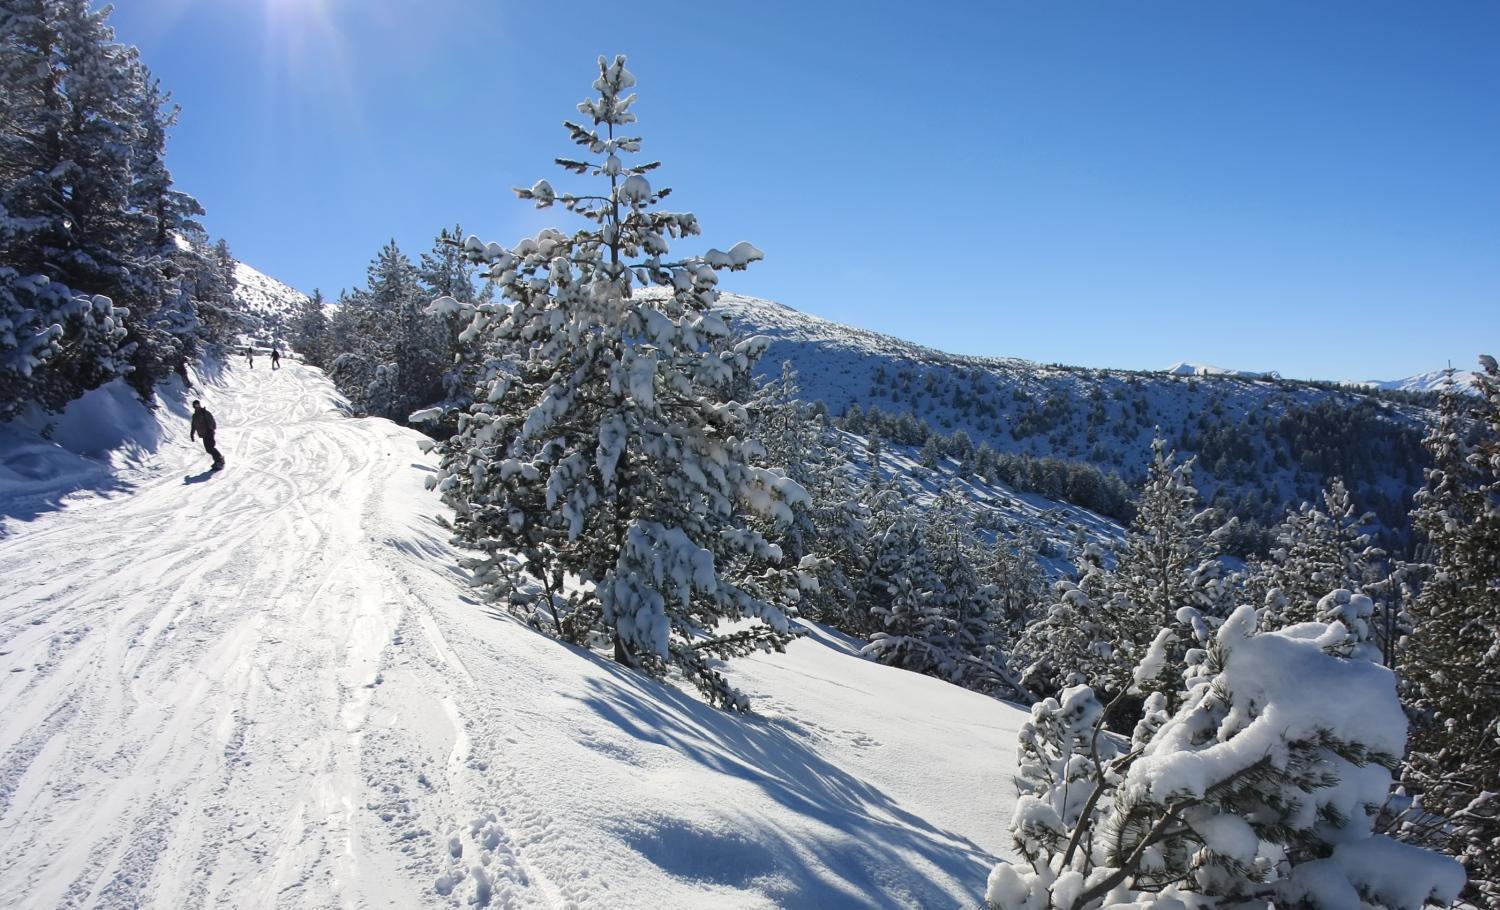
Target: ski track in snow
267,687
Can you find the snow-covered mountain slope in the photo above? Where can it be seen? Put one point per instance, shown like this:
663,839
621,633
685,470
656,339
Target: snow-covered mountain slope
1430,381
271,301
1054,527
1264,443
270,686
1184,368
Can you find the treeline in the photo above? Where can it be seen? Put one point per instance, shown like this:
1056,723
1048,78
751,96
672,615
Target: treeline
384,347
104,270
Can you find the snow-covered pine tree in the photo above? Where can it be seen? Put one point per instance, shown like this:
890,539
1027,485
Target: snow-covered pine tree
309,330
827,536
97,285
1316,550
613,456
930,606
1071,639
1018,580
1170,561
1259,791
64,190
217,305
977,643
38,317
447,274
1451,660
904,594
167,325
391,363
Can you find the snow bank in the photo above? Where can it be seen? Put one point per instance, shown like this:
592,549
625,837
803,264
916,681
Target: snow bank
91,445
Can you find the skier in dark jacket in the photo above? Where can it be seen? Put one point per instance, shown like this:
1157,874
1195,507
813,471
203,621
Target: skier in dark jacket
276,358
203,425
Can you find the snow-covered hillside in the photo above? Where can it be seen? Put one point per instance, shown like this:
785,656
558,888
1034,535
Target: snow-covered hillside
1430,381
1264,443
270,686
271,301
1184,368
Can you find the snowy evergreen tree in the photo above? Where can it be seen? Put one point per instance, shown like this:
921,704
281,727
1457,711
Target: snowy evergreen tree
309,330
1316,550
1169,562
97,282
904,602
391,359
1260,791
931,607
1018,584
607,452
215,283
177,310
63,190
1452,658
1071,640
447,274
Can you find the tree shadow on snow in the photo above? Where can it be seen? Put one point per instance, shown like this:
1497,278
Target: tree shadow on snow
31,486
866,857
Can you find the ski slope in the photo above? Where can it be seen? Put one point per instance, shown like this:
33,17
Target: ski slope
269,687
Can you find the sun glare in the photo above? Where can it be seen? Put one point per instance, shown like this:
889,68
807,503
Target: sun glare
304,43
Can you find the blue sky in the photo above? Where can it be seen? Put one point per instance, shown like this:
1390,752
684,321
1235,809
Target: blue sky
1307,187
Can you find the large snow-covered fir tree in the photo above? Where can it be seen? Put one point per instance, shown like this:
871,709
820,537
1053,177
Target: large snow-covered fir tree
604,449
1260,791
1451,660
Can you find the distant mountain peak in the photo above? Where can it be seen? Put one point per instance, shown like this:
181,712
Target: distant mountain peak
1430,381
1184,368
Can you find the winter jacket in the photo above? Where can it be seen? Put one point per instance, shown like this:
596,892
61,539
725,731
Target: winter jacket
203,424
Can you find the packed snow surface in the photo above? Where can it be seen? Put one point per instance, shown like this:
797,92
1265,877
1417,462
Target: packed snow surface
270,686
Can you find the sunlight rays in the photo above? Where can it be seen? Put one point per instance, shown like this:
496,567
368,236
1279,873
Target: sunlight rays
305,47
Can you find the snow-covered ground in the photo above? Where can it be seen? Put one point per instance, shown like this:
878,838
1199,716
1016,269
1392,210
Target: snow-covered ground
1430,381
272,301
270,686
1185,368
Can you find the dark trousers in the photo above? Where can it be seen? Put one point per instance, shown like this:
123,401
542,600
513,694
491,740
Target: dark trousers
208,446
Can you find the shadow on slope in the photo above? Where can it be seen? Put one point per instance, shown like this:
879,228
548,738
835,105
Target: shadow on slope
47,458
856,846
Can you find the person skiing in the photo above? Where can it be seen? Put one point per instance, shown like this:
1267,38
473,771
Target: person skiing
250,356
203,425
275,358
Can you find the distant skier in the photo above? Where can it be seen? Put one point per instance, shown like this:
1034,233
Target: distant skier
203,425
250,356
275,358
